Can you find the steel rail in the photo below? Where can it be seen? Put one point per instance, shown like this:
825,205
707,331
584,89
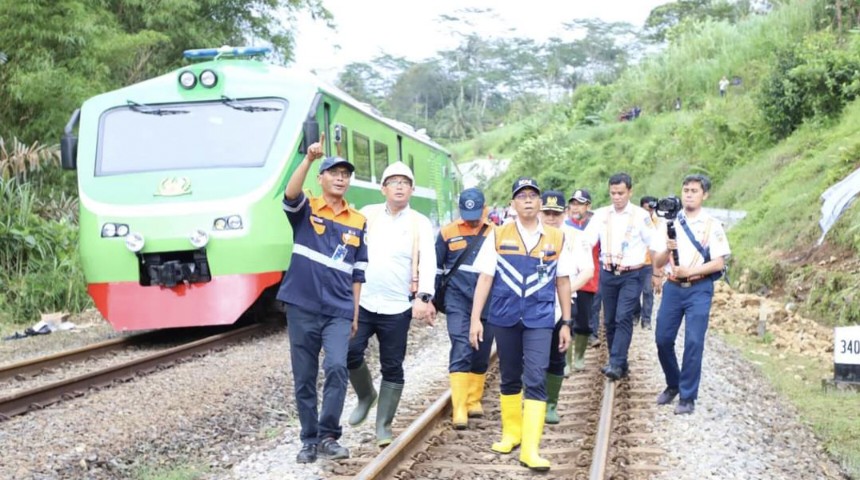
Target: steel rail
383,465
46,395
604,430
37,364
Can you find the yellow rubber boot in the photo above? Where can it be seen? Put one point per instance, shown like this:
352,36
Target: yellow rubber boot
459,396
534,412
476,392
512,423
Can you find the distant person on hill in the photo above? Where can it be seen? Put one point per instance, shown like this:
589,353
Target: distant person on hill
724,84
677,104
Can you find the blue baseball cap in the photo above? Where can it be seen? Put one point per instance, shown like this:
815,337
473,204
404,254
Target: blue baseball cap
331,162
471,204
524,182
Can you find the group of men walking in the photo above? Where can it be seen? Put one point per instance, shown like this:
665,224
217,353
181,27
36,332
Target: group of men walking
529,285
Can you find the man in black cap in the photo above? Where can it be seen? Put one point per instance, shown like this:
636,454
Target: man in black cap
467,367
321,290
552,214
587,297
527,266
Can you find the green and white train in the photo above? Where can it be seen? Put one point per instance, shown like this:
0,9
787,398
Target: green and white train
181,179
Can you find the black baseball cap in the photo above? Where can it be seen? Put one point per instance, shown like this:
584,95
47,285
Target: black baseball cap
524,182
553,201
581,195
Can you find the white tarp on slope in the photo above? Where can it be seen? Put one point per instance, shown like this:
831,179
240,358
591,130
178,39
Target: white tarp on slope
836,199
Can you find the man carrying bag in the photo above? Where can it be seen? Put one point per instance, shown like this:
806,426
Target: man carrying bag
457,245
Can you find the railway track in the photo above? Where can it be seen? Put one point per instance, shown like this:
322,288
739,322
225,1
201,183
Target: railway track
45,395
603,433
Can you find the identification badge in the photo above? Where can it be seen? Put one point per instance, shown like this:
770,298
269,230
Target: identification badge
542,271
339,253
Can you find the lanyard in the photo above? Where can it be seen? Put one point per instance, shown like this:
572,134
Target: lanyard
628,234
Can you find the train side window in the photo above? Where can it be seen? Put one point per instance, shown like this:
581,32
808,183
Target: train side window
340,141
411,162
380,159
361,150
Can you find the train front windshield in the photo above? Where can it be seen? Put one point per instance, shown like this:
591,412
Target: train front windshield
230,133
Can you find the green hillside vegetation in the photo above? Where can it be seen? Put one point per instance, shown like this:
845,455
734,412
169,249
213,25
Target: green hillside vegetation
771,146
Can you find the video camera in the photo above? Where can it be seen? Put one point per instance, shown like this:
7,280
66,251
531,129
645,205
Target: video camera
668,207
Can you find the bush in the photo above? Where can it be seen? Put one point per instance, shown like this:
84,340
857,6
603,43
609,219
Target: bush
813,79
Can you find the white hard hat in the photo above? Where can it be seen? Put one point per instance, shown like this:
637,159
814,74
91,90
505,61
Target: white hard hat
397,168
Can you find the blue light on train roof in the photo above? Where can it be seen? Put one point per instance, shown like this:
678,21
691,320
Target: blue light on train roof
225,51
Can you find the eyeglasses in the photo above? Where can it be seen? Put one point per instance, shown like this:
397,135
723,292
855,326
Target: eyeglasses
526,196
397,183
342,173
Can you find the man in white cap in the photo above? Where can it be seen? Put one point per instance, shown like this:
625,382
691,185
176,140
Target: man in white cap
399,287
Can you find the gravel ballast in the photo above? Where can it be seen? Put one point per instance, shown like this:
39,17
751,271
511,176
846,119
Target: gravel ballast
230,415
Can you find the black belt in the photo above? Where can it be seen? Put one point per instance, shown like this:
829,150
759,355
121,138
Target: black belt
688,282
618,270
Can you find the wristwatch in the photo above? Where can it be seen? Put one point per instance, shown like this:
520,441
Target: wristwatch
425,297
569,323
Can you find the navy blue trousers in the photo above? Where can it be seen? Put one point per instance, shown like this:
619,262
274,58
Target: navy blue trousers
620,296
557,359
523,359
644,311
581,312
309,333
392,332
694,305
594,315
463,358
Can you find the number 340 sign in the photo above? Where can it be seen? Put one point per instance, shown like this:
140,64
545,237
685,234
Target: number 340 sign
846,349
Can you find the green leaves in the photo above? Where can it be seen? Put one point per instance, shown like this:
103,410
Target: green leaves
811,80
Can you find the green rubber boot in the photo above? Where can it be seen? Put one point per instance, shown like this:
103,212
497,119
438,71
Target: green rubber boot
362,383
553,387
580,343
389,399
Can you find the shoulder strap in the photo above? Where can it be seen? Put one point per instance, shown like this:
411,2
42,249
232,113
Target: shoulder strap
466,253
413,286
706,254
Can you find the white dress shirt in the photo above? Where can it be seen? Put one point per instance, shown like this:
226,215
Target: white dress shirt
625,237
389,253
708,231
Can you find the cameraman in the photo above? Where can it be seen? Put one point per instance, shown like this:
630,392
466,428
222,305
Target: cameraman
702,250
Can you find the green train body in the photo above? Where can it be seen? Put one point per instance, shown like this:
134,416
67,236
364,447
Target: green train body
181,222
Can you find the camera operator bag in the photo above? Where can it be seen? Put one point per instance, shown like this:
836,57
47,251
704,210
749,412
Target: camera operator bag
705,253
439,297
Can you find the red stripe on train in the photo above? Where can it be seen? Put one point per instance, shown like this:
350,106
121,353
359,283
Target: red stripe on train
130,306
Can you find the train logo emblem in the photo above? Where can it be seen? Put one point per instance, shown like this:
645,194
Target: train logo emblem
173,187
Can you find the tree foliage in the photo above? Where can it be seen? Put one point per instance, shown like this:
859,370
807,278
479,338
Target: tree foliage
59,52
663,19
814,79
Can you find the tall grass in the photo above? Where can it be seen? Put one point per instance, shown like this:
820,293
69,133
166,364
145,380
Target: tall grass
39,266
691,67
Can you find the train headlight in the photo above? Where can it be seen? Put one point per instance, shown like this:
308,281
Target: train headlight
134,242
234,222
208,78
220,224
187,80
199,238
108,230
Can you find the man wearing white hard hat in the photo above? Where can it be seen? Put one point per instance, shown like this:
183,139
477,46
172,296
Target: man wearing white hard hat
400,276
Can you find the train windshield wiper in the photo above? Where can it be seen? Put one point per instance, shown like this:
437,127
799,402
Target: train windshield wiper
148,110
234,104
